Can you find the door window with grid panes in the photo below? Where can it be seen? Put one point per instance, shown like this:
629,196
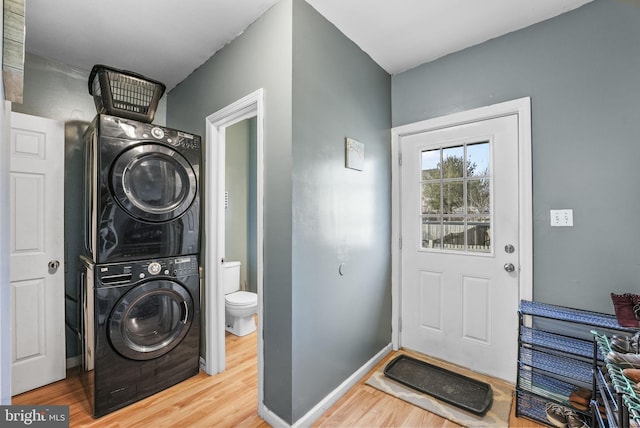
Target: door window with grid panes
456,198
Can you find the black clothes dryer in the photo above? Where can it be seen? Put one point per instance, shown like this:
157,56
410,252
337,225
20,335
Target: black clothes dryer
142,196
141,329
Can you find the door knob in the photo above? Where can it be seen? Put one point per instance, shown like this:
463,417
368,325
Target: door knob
509,267
54,264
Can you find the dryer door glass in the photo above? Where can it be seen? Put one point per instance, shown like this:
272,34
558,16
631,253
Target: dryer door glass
153,182
151,319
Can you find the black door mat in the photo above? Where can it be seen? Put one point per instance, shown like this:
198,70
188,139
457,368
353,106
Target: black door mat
450,387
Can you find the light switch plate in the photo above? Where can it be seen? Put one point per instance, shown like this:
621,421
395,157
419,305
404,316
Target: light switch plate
562,218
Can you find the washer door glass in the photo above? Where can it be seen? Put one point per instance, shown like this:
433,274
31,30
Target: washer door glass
152,182
151,319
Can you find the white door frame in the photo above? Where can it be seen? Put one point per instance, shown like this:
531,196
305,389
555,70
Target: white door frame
5,283
522,108
214,234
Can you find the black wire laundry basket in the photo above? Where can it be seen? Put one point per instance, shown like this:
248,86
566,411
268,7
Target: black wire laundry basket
124,93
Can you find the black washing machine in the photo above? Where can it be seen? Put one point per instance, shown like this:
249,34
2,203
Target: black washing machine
141,329
142,197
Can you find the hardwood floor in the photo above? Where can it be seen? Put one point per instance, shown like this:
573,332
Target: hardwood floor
225,400
230,400
365,406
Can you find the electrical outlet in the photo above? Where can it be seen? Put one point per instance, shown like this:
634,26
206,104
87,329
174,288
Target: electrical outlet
562,218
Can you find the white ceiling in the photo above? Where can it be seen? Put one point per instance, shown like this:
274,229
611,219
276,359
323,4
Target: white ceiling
166,40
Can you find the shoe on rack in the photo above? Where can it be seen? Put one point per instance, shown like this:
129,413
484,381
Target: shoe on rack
575,421
556,415
623,308
602,409
624,361
634,336
635,299
580,398
563,417
626,344
632,374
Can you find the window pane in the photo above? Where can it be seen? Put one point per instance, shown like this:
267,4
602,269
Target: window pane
453,238
453,162
431,232
479,196
479,234
431,164
431,199
456,198
453,197
478,160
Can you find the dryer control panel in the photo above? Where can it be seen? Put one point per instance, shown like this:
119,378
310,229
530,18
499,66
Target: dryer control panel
118,127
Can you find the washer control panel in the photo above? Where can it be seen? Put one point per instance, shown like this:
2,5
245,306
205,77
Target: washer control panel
154,268
185,266
126,273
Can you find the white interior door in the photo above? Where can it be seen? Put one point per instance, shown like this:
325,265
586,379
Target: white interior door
36,252
460,244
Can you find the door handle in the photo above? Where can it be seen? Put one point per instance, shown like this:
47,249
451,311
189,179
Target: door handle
53,265
185,308
509,267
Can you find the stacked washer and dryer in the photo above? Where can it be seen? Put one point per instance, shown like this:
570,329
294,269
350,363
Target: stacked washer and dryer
139,276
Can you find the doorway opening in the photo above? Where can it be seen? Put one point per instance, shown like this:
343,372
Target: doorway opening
218,126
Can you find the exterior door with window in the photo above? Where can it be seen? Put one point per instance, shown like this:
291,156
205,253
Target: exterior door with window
460,285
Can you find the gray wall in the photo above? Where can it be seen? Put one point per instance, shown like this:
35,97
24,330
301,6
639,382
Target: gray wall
319,327
581,71
340,215
60,92
259,58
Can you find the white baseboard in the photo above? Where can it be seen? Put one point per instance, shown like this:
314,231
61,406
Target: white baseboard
271,418
316,412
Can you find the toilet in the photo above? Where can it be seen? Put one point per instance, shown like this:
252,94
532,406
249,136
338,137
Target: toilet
240,306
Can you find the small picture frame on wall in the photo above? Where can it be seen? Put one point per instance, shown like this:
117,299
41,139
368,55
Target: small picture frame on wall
354,154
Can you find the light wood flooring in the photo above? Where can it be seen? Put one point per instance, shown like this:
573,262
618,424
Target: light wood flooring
230,399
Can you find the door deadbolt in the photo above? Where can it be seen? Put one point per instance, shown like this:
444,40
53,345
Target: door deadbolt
509,249
53,264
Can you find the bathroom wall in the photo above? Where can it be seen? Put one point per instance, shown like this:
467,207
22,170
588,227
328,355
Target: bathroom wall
581,71
60,92
240,214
